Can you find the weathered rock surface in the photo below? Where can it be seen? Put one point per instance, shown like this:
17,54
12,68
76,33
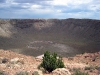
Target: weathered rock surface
61,71
14,60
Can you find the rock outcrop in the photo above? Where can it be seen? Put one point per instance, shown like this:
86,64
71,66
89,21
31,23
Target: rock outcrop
61,71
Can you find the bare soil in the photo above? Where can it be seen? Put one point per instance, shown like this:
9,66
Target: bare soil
87,62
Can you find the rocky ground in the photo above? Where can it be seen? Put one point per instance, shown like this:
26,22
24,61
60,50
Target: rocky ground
13,63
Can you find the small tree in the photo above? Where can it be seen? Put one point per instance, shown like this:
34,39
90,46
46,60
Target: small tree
51,62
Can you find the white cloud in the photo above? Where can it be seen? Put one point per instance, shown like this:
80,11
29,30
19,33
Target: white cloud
59,11
51,8
79,2
69,2
35,6
9,1
59,2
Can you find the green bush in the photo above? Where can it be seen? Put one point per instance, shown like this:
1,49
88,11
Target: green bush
51,62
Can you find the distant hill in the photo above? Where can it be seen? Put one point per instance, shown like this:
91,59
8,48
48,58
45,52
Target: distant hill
68,35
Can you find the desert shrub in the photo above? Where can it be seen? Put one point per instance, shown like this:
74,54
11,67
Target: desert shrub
35,73
4,60
22,73
3,73
78,72
88,68
76,69
51,62
91,67
97,67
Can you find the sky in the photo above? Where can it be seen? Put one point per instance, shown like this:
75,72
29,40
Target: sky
55,9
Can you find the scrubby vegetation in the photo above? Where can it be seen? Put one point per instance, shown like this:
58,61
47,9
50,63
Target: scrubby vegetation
3,73
78,72
91,67
22,73
35,73
51,62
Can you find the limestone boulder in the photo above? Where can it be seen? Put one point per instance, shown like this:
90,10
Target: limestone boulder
61,71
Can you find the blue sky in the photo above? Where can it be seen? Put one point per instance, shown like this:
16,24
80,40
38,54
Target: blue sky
60,9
